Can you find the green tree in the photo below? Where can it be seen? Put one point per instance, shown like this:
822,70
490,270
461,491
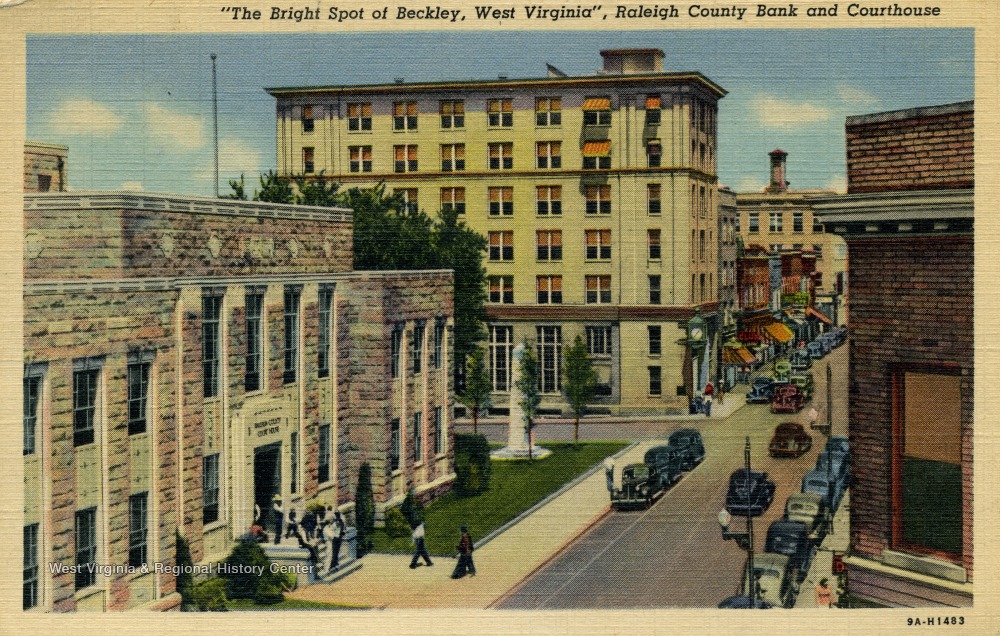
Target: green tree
476,393
461,249
239,189
182,559
274,189
581,382
364,510
530,395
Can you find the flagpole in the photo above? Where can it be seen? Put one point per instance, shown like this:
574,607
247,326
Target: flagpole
215,125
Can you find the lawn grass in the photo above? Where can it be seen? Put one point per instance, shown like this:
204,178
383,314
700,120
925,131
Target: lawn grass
244,605
514,487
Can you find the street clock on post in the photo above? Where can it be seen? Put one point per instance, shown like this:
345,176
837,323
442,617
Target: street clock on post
696,331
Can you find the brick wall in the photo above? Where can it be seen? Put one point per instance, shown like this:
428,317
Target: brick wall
911,150
912,305
41,162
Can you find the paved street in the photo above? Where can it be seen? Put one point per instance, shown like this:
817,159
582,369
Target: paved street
672,555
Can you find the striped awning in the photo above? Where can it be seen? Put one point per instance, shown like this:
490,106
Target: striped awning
597,103
778,332
816,313
597,148
736,355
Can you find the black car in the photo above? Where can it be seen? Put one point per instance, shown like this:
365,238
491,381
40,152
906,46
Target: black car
689,445
753,493
668,462
640,483
743,602
791,538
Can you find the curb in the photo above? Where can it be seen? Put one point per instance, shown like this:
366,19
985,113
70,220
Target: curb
549,559
548,498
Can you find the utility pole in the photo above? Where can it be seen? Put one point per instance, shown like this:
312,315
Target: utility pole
215,125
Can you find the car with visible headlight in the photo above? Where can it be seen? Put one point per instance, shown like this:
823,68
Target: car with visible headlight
805,383
787,399
801,360
808,508
775,582
640,483
815,350
789,440
750,492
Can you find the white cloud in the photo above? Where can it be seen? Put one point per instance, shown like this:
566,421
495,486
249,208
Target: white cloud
83,116
853,95
750,184
174,128
778,113
837,183
132,186
236,157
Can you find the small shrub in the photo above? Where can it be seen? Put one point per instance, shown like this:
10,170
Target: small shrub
269,590
243,561
209,595
396,524
364,510
412,509
182,558
472,464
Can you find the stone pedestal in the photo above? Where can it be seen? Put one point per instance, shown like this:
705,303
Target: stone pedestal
517,435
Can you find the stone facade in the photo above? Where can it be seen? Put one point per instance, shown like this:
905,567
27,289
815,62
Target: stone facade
116,281
45,167
909,231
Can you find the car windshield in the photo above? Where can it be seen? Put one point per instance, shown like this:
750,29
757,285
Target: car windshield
815,483
781,544
637,472
766,572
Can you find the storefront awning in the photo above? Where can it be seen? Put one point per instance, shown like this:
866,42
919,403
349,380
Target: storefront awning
819,315
736,355
597,148
778,332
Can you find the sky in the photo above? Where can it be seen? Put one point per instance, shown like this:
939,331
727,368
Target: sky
136,111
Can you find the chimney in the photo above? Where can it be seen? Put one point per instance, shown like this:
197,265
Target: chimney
778,183
631,61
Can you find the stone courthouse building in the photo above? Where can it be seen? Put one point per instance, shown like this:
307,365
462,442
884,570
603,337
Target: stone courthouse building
907,218
186,359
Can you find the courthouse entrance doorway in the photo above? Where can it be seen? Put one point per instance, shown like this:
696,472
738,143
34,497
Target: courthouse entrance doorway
266,481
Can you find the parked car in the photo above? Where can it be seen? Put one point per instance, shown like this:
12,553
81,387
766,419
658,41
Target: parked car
801,360
825,343
839,444
689,445
787,399
775,583
640,483
815,350
791,538
789,440
830,489
838,461
809,509
782,368
762,390
668,462
753,493
805,383
743,602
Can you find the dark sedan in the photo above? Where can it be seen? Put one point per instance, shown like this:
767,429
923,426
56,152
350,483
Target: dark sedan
789,440
751,493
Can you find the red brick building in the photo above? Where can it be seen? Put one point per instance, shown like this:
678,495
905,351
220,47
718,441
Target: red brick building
908,221
187,359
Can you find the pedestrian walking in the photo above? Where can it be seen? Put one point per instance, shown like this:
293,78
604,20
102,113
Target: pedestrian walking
279,518
339,532
292,527
813,416
708,405
609,473
419,547
709,390
722,391
824,595
465,548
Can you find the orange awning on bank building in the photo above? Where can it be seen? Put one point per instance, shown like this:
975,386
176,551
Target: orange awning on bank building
597,103
597,148
779,332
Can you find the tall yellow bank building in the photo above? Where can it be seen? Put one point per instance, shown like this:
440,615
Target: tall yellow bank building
597,195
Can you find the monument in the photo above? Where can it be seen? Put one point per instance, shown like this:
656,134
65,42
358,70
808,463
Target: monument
517,433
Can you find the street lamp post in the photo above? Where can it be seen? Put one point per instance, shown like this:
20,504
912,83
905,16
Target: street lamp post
829,432
743,539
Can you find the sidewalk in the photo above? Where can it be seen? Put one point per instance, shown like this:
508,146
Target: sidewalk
822,565
385,580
